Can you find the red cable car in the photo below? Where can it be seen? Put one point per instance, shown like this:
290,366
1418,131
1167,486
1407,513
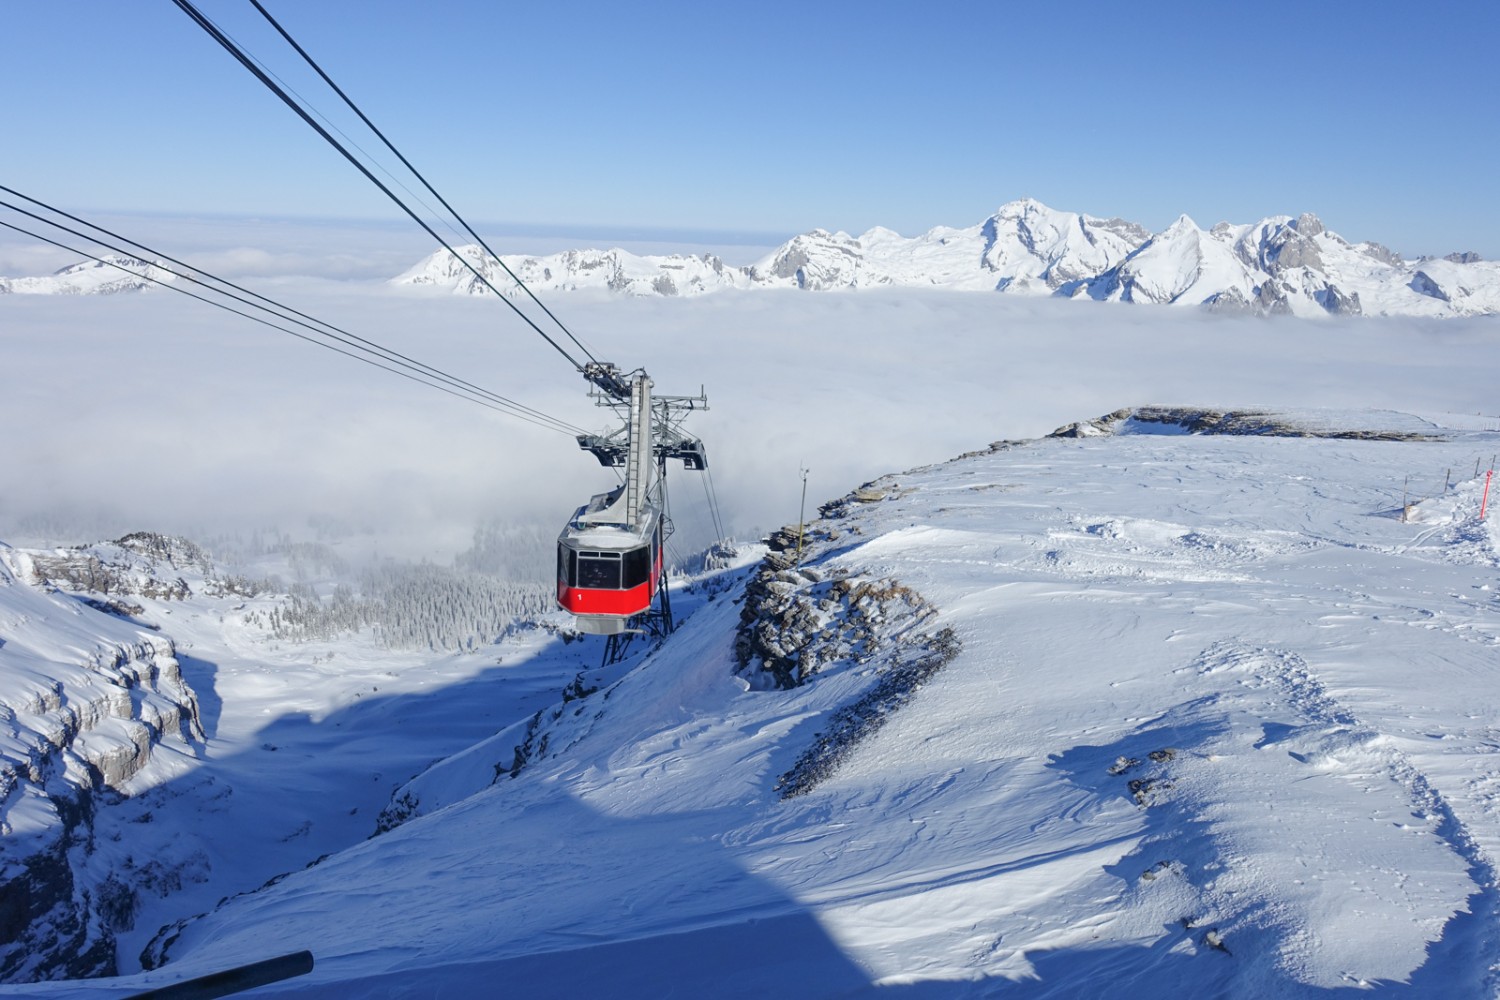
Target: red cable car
608,573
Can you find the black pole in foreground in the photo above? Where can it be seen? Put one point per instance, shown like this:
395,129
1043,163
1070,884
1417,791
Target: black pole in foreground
223,984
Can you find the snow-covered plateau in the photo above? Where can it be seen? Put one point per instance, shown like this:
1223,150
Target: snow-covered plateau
1280,265
1170,703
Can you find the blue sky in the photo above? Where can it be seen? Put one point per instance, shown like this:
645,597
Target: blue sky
772,118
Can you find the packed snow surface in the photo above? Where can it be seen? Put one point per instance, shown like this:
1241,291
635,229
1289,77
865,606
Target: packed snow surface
1222,721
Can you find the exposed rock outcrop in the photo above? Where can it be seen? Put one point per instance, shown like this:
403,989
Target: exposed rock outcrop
84,699
798,622
1192,420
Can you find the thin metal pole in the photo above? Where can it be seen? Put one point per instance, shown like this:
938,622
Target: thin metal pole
801,517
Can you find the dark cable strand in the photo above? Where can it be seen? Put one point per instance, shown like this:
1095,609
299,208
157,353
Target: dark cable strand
339,334
416,173
713,505
432,212
198,18
300,336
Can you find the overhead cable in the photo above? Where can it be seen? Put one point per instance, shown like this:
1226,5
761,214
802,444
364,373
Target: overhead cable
713,502
265,322
229,46
134,248
416,173
313,108
430,377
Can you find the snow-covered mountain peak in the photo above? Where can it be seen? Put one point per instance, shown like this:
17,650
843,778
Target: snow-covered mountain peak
879,234
1308,224
109,275
1027,209
1279,264
613,270
1181,226
1032,247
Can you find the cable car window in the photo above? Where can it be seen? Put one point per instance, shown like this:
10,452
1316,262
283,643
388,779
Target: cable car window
637,567
599,570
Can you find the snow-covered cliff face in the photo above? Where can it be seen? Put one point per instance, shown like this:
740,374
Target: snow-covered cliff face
1279,265
85,697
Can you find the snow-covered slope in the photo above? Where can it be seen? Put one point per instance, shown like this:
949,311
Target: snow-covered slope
107,276
1188,703
1279,265
166,748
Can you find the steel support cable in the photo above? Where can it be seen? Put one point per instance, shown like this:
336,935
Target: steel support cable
416,173
712,494
339,335
208,26
134,248
504,406
713,490
434,213
300,336
719,518
713,505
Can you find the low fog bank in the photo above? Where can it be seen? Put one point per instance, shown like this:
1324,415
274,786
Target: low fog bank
153,411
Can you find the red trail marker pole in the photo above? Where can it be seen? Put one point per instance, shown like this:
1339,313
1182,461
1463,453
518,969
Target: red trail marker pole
1484,500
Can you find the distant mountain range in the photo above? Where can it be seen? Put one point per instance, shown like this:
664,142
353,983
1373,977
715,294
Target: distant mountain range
109,275
1279,265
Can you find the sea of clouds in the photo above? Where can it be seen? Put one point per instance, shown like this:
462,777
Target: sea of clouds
154,411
